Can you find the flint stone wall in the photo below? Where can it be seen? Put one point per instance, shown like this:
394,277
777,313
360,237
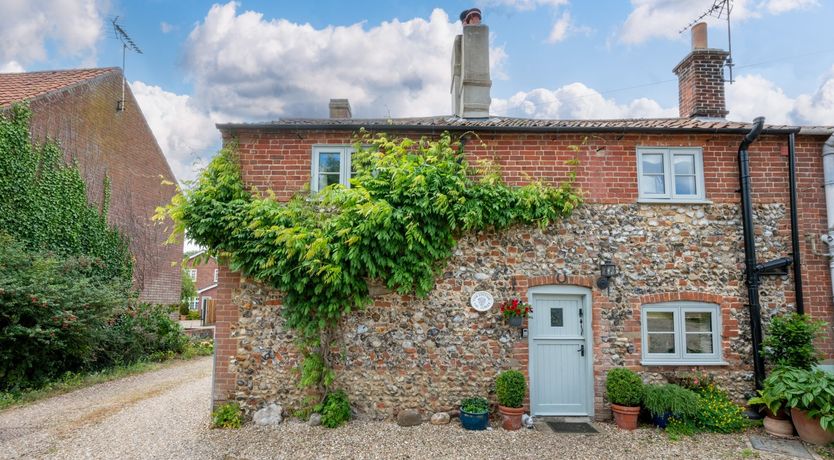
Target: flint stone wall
427,354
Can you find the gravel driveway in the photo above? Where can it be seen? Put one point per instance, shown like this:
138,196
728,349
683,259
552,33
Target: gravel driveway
165,414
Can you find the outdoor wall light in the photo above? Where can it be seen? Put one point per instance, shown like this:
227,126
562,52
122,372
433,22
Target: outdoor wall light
607,269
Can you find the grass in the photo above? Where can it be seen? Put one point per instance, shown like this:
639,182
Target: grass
72,381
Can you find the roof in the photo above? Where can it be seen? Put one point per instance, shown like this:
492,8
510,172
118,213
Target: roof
509,124
200,291
15,87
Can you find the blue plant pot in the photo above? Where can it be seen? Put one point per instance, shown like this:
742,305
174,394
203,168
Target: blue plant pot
474,422
661,420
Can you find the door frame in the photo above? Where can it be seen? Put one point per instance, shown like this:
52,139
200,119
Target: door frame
586,298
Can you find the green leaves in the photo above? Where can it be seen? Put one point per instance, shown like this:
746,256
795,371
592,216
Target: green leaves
397,223
790,341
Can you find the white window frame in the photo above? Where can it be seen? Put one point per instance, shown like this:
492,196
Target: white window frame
216,271
668,174
344,151
192,273
681,357
195,302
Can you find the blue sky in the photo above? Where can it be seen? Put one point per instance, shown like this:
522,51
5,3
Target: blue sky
259,60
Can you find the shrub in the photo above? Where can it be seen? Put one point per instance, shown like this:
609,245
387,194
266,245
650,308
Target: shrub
227,416
717,413
678,427
475,405
790,341
624,387
193,315
140,331
184,309
53,310
670,399
334,410
510,388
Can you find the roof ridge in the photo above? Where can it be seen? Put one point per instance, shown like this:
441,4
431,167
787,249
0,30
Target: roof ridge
85,69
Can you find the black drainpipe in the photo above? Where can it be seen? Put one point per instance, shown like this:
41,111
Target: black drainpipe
750,271
797,265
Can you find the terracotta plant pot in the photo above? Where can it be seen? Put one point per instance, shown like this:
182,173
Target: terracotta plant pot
781,428
183,317
625,417
510,417
809,429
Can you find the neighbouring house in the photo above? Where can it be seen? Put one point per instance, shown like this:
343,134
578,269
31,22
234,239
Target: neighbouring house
93,115
662,204
203,272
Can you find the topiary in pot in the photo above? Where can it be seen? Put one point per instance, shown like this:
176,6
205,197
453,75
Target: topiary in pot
510,388
625,392
664,401
183,311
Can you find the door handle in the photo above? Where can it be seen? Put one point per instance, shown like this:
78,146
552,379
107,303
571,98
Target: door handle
581,350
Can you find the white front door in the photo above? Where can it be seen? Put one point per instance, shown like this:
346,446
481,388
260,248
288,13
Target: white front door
560,352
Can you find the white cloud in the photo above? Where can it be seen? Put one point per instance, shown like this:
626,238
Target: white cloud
753,95
244,66
560,28
183,131
664,18
11,67
165,27
522,5
27,26
576,101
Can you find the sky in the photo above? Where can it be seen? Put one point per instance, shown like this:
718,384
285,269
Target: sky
203,63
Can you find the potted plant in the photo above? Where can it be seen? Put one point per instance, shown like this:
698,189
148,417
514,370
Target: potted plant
514,311
810,395
790,341
510,388
625,392
474,413
771,399
664,401
183,311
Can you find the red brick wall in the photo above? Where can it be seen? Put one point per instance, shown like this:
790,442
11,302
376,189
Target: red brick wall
205,273
225,343
84,120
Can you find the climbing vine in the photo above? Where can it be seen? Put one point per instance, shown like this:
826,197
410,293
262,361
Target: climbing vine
397,223
44,203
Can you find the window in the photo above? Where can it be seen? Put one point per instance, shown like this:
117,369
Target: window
670,174
192,273
331,165
215,274
194,302
681,333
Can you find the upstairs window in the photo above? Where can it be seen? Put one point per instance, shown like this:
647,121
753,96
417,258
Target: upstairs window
670,174
192,273
681,333
331,165
215,274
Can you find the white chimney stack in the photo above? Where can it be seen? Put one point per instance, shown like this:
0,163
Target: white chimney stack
470,68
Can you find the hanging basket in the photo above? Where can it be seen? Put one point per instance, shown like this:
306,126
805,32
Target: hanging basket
515,321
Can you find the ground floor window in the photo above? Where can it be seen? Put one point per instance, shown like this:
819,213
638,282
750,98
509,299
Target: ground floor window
681,333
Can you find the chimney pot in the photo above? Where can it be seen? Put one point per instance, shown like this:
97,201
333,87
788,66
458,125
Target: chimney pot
699,36
340,108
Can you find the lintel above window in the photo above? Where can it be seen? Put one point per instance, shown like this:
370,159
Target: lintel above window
670,175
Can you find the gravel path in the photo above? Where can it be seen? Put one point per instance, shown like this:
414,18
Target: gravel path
165,414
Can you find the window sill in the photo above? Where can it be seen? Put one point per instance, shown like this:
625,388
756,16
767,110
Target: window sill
660,201
684,363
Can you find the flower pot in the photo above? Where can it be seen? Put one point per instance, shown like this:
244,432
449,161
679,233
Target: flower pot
515,321
809,429
661,420
183,317
625,417
510,417
474,422
781,428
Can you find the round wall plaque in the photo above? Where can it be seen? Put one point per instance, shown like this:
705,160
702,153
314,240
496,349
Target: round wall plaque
481,300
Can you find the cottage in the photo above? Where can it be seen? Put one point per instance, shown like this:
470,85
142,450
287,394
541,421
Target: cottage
663,214
95,118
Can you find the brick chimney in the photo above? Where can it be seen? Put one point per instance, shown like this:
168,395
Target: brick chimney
470,69
701,78
340,108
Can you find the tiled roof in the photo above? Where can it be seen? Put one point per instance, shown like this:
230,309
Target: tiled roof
524,124
16,87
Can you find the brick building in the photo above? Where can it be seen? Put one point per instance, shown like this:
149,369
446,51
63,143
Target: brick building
203,272
99,124
662,204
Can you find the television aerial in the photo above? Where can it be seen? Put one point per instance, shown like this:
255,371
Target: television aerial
127,43
720,9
